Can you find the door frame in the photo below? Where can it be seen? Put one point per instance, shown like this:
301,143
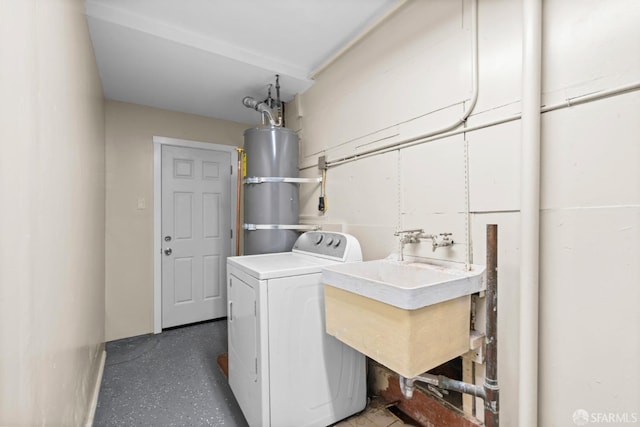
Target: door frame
158,142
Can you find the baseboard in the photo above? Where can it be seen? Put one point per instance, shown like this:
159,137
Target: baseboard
96,390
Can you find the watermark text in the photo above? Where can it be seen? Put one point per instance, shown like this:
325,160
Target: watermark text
582,417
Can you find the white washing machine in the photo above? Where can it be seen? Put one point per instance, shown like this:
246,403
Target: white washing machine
284,369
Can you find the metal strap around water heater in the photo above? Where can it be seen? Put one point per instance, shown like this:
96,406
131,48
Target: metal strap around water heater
301,227
263,179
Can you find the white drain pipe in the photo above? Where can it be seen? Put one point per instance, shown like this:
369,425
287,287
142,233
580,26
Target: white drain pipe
530,211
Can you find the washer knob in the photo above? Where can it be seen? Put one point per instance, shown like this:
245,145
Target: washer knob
319,239
330,241
337,243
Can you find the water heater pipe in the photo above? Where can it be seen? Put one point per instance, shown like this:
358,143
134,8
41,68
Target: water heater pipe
530,211
259,106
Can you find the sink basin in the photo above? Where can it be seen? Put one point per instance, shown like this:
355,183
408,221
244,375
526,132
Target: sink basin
406,284
409,316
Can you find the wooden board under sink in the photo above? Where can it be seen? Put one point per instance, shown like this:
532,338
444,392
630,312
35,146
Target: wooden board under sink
409,342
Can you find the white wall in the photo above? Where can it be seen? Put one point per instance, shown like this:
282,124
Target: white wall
51,215
130,130
412,75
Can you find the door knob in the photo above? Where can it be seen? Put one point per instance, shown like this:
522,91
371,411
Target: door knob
168,251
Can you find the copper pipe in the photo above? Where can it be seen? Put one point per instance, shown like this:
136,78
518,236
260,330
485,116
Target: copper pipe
239,198
492,391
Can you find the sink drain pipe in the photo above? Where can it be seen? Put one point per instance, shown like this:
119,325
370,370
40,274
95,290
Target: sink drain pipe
408,386
489,391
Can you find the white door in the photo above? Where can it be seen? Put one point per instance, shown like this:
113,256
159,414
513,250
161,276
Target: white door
196,234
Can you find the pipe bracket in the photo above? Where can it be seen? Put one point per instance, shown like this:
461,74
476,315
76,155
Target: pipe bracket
300,227
277,179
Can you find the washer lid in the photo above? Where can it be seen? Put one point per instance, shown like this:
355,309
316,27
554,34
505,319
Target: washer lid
283,264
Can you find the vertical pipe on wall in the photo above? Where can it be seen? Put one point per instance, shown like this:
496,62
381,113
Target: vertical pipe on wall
239,198
530,211
491,388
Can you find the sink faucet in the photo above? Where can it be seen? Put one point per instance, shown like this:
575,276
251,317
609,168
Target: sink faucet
414,236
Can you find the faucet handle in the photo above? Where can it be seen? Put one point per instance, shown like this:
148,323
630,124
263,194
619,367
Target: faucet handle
445,240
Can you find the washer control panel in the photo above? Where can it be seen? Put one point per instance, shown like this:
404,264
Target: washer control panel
329,244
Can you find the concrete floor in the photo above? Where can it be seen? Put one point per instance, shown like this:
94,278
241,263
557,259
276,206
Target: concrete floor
173,379
169,379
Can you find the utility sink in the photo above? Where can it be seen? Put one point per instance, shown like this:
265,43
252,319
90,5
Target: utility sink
406,284
410,316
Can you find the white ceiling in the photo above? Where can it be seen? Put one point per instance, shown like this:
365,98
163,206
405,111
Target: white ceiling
204,56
